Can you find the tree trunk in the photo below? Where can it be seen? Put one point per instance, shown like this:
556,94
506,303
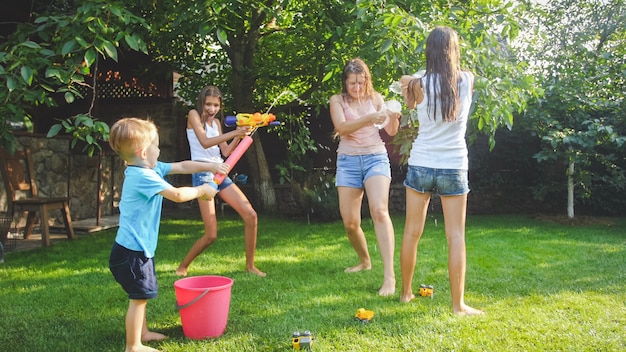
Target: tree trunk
261,180
570,190
241,53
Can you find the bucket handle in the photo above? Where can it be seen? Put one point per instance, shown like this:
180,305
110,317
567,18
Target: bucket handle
179,307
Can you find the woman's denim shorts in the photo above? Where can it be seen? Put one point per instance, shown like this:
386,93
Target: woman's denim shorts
353,170
201,178
445,182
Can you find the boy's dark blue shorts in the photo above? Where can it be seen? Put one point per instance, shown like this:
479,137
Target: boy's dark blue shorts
134,272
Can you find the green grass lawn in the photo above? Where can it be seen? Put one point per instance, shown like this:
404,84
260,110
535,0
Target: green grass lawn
544,287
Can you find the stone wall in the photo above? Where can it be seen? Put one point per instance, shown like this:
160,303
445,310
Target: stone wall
94,183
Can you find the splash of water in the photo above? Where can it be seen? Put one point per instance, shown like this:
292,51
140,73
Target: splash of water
292,94
396,87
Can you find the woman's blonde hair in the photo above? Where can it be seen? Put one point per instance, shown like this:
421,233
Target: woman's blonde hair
357,66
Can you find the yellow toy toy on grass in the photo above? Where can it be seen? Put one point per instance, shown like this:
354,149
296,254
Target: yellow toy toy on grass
363,315
427,291
302,341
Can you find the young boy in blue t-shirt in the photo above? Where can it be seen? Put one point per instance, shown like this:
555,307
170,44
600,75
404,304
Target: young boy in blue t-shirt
136,141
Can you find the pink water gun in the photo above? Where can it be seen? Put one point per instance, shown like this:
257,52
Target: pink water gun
255,121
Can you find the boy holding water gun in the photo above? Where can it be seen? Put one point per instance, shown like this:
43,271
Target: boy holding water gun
131,262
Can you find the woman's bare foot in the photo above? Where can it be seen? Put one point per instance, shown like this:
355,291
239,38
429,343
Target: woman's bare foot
388,288
406,298
180,271
152,336
466,311
256,271
359,267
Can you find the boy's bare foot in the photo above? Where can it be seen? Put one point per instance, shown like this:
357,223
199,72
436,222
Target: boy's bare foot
406,298
467,311
388,288
180,271
152,336
141,348
359,267
256,272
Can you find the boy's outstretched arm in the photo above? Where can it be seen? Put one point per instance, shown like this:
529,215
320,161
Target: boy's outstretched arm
192,167
185,194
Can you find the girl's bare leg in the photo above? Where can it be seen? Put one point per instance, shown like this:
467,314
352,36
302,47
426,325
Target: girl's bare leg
350,208
416,211
377,188
454,213
207,211
234,197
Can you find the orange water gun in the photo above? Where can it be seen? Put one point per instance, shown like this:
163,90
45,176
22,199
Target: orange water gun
255,121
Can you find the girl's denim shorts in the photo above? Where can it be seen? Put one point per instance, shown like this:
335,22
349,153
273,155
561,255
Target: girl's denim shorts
353,170
445,182
201,178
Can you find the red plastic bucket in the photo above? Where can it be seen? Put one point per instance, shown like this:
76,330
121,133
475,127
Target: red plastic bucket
203,303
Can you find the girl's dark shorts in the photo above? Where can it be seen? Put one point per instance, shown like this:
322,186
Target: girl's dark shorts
134,272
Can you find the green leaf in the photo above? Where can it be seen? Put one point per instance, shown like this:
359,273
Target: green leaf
110,50
27,74
30,44
68,47
81,42
222,36
327,76
90,57
132,42
54,130
47,87
386,45
116,11
11,83
69,97
47,52
52,72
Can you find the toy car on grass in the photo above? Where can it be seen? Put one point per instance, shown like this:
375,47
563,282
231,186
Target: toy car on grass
427,291
302,341
364,315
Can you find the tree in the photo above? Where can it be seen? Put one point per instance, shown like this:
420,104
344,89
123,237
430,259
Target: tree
257,50
51,57
580,57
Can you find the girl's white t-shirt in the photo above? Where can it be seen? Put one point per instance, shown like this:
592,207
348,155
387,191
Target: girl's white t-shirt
198,153
441,144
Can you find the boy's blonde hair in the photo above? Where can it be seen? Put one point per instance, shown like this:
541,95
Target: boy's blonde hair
131,134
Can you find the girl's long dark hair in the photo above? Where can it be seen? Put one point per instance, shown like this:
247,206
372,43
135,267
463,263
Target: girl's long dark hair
209,91
443,65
